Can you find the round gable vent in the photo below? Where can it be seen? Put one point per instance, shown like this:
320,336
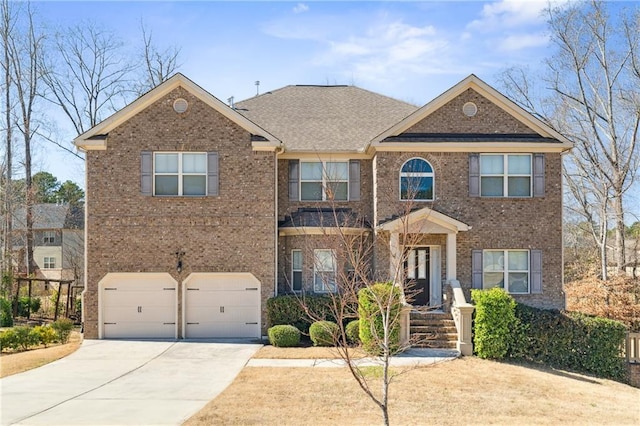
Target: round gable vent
470,109
180,105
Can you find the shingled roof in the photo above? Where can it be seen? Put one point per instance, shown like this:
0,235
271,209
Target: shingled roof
324,118
51,216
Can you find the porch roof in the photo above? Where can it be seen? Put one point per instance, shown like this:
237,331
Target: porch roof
437,223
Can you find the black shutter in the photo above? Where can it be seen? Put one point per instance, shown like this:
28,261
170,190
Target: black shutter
213,174
146,173
294,178
476,269
474,175
538,175
354,180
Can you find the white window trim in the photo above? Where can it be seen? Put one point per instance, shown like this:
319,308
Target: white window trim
49,237
180,173
505,175
324,288
506,270
324,182
421,174
47,262
293,270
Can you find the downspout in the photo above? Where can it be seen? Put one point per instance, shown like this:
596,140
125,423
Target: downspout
275,218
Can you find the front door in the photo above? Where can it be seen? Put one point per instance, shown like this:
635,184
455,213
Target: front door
417,267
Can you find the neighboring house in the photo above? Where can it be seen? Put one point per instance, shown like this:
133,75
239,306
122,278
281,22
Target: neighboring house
58,241
198,212
632,257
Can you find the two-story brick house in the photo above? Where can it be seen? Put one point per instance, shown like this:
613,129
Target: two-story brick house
198,212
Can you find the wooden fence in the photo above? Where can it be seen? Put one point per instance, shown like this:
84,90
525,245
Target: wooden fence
632,347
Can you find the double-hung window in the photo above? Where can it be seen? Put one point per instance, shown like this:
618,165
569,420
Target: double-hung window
324,271
508,269
324,180
416,180
49,237
49,263
296,270
505,175
180,173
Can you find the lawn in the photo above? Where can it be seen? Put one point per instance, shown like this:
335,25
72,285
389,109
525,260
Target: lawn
465,391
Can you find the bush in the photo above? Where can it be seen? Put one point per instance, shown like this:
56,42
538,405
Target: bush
495,319
572,341
8,339
289,309
324,333
6,314
43,335
63,329
373,302
353,331
28,306
24,338
284,336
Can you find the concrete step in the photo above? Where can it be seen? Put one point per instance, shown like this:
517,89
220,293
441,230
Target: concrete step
430,329
433,323
439,344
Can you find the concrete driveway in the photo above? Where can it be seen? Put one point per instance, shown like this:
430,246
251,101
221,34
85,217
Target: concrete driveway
109,382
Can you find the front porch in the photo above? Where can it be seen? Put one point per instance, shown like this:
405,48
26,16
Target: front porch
423,244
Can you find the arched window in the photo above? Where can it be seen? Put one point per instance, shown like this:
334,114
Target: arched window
416,180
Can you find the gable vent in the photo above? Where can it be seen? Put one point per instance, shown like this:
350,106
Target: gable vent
180,105
470,109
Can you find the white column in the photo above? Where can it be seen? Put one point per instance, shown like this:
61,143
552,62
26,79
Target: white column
451,256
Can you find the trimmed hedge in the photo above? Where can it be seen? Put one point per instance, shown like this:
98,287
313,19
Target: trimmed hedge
324,333
284,336
289,309
569,340
353,332
371,317
494,321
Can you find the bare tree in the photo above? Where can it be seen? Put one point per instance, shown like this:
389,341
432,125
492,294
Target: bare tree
25,56
90,76
593,97
157,65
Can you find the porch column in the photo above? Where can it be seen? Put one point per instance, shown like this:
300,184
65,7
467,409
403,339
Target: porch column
394,257
451,256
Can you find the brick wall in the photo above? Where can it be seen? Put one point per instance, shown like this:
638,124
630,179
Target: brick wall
634,374
129,232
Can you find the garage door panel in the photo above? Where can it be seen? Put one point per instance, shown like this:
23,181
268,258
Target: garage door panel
136,329
211,329
136,298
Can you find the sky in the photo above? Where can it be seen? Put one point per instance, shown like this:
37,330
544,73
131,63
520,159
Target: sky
408,50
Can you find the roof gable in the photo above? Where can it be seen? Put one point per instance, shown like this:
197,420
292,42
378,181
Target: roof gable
96,137
435,118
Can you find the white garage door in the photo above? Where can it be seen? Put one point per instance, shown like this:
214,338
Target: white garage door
138,306
221,305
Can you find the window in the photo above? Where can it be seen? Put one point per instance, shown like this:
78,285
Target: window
324,271
49,237
296,270
416,180
179,173
324,180
505,175
49,262
506,266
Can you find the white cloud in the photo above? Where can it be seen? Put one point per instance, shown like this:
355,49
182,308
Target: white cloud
506,14
522,41
300,8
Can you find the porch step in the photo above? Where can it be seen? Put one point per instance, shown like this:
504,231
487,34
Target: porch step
432,330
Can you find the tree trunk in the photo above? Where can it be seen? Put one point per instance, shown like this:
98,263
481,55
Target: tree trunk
618,212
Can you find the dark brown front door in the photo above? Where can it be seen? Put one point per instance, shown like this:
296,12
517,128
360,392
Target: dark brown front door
417,274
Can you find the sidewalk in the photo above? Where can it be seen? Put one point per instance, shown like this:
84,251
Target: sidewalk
409,358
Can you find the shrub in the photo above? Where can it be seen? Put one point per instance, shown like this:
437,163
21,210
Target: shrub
573,341
43,335
28,306
24,338
323,333
373,304
289,309
353,331
494,321
6,314
63,329
284,336
8,339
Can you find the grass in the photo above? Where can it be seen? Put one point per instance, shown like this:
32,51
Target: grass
465,391
311,352
18,362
